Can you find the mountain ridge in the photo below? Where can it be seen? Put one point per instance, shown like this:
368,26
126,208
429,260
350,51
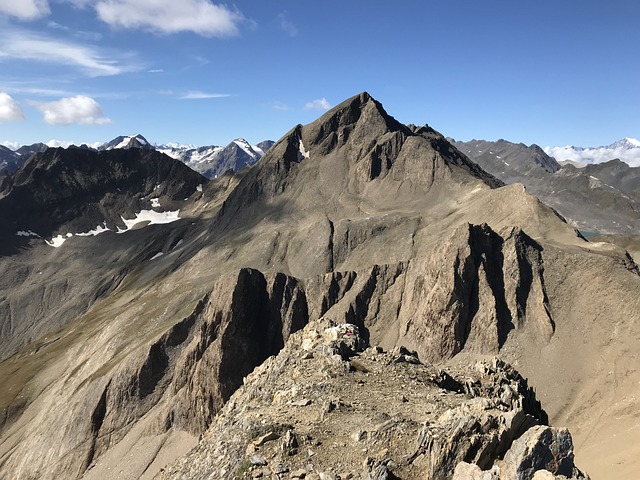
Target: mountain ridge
599,197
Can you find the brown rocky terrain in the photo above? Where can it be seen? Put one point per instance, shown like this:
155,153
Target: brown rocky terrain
353,218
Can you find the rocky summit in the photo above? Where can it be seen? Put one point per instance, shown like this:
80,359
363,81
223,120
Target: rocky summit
355,305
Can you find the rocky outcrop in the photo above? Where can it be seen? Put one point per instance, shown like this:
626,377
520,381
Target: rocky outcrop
315,412
491,284
541,453
180,380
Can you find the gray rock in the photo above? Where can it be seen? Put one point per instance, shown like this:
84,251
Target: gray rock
257,460
540,448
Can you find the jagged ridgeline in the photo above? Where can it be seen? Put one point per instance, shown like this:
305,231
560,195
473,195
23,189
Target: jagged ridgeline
122,349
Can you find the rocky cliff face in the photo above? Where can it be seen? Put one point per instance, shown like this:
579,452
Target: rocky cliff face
352,219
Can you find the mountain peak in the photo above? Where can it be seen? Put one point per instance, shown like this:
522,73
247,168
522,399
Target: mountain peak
131,141
629,142
359,119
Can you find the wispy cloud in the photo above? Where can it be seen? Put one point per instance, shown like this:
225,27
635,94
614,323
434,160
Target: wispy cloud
80,110
24,9
201,61
286,25
22,45
168,16
10,110
283,107
80,34
198,95
318,104
27,88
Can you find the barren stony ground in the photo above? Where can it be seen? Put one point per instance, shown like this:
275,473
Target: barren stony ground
320,410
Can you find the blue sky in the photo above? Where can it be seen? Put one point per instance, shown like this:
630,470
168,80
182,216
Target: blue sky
548,72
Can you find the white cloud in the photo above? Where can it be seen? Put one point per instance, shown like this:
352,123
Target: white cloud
79,110
24,9
68,143
80,34
27,46
286,25
9,109
11,145
319,104
197,95
169,16
631,156
60,143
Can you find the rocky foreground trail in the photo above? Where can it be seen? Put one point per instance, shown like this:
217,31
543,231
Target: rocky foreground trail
327,408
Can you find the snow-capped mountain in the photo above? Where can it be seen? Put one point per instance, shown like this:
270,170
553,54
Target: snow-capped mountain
211,160
627,150
133,141
214,160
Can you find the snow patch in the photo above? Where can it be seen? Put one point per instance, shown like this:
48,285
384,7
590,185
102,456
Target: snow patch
152,217
56,241
302,152
244,145
157,255
96,231
27,233
199,188
123,143
633,141
155,202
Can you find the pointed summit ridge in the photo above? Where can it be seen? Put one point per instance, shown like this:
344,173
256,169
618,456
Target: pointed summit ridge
355,152
360,119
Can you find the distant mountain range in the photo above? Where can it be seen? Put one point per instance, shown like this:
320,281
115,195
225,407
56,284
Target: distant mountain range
627,150
210,161
602,197
10,160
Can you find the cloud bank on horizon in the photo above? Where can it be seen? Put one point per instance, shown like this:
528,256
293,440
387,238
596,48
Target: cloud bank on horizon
627,150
